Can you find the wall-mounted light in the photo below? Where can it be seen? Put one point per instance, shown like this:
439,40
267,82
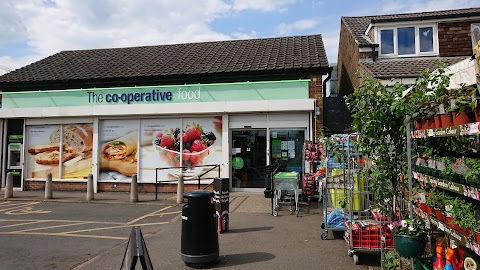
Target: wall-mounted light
317,111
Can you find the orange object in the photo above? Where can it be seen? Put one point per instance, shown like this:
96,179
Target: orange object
439,264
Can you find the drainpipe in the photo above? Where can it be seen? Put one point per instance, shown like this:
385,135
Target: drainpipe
324,85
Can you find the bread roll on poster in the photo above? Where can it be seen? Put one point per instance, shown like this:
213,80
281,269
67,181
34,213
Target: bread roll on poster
78,137
120,148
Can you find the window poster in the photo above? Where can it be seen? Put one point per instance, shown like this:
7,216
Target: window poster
118,149
77,150
43,155
157,145
44,151
161,142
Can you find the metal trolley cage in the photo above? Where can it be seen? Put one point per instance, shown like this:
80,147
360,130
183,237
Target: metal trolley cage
366,230
333,187
286,191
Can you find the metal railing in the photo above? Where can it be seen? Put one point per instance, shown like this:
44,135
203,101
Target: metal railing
184,168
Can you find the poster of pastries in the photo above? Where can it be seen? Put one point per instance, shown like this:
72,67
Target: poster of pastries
118,149
198,138
44,151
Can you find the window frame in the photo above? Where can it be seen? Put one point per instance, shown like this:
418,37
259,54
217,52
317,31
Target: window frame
417,27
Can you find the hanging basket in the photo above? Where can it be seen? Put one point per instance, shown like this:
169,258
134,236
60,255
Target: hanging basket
409,246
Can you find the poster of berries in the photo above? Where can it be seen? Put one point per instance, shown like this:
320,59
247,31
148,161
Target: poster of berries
161,142
118,149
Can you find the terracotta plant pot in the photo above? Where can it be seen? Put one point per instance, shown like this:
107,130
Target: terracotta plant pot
477,234
430,123
439,215
438,122
460,118
430,211
423,207
477,114
418,125
446,120
448,221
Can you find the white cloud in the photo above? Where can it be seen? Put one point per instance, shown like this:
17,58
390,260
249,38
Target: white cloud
11,26
263,5
306,24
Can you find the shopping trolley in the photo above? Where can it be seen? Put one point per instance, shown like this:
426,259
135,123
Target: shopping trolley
286,191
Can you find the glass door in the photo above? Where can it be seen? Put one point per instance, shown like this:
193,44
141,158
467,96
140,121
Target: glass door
249,148
287,147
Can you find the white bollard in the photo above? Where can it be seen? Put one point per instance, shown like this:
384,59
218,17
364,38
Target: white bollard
90,196
134,189
48,187
180,189
9,186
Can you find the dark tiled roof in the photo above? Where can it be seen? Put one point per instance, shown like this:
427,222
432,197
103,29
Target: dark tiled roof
405,68
202,59
358,25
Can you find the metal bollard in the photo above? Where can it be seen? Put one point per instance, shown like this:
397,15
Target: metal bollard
180,188
90,196
9,186
48,187
134,189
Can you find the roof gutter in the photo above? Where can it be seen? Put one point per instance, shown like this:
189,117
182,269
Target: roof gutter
324,85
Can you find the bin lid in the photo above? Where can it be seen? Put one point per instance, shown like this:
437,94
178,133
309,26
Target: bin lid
198,194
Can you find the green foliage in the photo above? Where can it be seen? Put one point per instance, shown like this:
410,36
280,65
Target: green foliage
378,114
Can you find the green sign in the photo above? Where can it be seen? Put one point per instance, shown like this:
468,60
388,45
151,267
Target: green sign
272,90
237,163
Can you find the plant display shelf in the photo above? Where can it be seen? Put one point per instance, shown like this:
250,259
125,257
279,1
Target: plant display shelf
457,237
467,191
462,130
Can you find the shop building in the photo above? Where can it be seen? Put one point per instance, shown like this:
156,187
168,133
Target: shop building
236,106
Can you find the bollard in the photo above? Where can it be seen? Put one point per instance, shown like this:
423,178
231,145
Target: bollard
48,187
9,186
134,189
90,196
180,189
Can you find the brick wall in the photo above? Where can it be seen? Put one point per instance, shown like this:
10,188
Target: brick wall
110,187
315,90
348,57
454,38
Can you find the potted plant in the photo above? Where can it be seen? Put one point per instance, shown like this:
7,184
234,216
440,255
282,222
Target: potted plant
464,217
472,175
462,105
410,236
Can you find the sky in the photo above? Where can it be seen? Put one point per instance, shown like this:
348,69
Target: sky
31,30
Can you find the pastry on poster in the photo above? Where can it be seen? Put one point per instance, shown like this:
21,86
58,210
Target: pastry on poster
121,155
195,143
76,156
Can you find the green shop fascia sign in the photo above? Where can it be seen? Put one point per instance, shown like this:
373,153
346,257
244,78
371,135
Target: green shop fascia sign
271,90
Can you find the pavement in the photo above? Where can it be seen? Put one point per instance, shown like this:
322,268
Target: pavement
256,239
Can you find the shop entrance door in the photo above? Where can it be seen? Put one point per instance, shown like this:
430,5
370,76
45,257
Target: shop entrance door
249,158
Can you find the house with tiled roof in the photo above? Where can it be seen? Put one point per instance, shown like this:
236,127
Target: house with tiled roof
216,109
400,46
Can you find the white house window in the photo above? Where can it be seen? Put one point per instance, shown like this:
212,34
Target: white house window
407,41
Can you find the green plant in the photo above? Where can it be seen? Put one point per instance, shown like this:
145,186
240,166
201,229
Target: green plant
393,261
472,175
464,215
413,227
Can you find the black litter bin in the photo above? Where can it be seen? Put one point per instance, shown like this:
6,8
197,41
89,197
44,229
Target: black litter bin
199,229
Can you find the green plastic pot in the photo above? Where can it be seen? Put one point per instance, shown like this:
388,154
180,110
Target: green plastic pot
409,246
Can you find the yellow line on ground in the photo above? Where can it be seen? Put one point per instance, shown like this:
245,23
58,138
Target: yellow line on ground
116,227
147,215
65,221
50,227
166,213
20,224
19,206
70,235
